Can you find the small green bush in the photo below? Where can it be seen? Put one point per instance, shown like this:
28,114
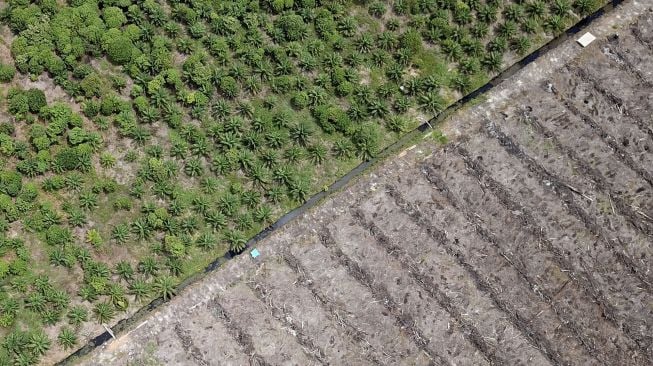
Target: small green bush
119,50
36,100
113,17
17,102
7,73
10,183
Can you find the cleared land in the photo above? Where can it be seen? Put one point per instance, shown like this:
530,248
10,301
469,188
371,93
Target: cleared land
525,240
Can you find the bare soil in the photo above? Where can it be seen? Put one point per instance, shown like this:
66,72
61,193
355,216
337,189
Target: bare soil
526,240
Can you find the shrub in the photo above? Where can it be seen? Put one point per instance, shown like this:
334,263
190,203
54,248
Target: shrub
68,159
228,86
36,100
299,100
119,50
7,73
91,108
412,41
58,236
292,27
94,238
18,102
113,17
91,85
174,246
279,5
10,183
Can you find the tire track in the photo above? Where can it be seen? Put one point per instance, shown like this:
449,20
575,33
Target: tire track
382,295
540,235
237,333
585,279
536,340
323,301
514,149
309,347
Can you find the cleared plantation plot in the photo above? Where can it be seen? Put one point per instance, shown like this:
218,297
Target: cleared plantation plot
525,241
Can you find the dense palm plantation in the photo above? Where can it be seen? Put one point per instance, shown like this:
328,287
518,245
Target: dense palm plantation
191,125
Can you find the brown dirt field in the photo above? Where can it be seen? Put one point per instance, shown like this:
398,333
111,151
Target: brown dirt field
526,240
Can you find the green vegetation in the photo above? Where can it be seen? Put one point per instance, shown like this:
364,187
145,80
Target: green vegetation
7,73
196,123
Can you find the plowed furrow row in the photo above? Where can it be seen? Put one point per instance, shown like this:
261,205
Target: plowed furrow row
474,293
527,305
612,121
563,165
637,55
632,101
619,152
334,311
301,310
613,171
642,31
581,239
389,265
237,333
404,320
381,328
512,228
621,59
271,338
188,345
569,320
514,149
206,333
490,283
282,316
170,351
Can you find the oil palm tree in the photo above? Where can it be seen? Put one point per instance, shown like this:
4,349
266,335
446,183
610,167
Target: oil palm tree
343,149
556,24
561,7
215,219
536,9
120,233
148,266
124,270
39,343
431,102
77,315
140,289
88,200
301,133
583,7
298,190
67,338
206,241
193,168
164,287
104,312
236,241
317,153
